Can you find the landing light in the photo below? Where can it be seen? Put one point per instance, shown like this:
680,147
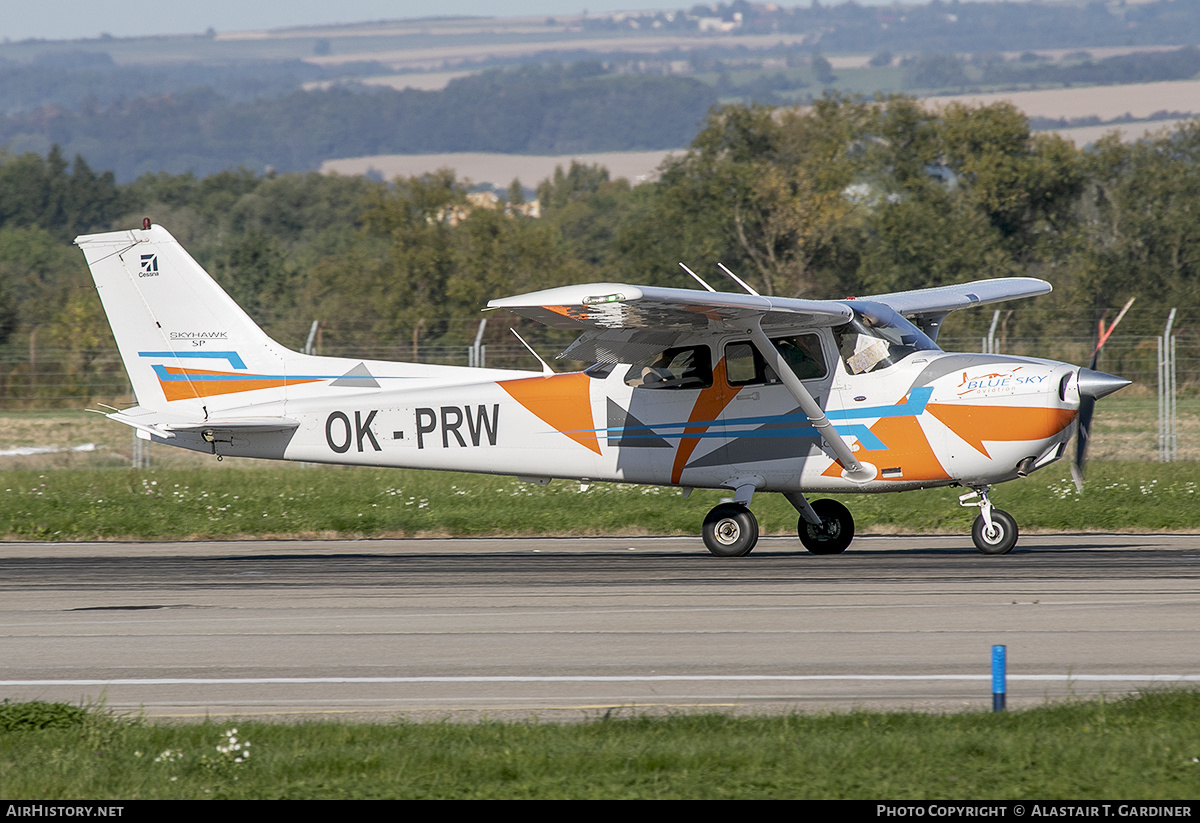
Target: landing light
604,298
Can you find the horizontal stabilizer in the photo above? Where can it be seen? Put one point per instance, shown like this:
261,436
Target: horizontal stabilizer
163,425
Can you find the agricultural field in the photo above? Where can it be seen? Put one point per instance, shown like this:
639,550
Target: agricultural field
500,169
1132,110
1138,100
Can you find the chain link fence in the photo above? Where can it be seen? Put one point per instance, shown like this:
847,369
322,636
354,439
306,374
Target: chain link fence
48,379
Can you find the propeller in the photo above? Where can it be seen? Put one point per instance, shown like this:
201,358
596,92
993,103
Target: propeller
1092,386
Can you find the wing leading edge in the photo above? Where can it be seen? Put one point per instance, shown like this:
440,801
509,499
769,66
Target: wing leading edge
632,324
927,307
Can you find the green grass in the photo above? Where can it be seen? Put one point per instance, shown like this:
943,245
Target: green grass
1141,747
287,500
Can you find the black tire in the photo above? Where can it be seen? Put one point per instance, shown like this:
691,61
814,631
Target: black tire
1004,538
835,533
730,530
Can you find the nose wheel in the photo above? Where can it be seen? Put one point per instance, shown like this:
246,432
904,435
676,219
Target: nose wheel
999,537
730,530
994,530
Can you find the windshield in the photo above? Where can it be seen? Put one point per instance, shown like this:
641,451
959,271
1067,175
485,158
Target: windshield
878,337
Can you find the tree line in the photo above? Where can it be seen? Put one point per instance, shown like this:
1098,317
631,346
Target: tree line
533,109
847,197
950,71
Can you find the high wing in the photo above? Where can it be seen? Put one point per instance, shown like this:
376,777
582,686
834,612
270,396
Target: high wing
633,324
927,307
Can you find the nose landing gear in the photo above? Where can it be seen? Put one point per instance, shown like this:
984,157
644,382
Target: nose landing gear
994,530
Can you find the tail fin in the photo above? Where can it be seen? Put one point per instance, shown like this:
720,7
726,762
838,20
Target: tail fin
186,345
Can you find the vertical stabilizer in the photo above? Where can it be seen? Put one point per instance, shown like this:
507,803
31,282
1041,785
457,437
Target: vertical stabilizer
186,344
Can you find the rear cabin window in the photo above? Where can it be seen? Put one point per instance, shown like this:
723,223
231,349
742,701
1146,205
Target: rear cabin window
688,367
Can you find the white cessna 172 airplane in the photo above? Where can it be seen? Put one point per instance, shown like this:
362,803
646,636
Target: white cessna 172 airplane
694,389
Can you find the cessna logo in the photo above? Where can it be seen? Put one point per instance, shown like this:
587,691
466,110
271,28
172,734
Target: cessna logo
149,266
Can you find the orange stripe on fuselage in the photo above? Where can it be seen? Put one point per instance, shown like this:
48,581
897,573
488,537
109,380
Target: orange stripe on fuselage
196,386
974,424
711,402
907,448
562,401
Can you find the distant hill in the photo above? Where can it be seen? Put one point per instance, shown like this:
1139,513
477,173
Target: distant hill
560,85
535,110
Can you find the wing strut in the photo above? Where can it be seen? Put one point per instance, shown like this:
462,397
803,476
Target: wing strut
853,469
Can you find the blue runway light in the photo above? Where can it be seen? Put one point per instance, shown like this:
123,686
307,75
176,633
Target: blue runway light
999,677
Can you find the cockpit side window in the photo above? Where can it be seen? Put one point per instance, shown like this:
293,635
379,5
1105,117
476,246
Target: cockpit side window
687,367
803,355
745,366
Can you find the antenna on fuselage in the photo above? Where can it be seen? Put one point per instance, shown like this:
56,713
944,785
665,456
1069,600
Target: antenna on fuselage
697,278
546,370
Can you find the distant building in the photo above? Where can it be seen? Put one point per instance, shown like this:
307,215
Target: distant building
487,200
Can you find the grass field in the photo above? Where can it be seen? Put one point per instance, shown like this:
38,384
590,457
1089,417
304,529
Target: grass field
1140,748
329,502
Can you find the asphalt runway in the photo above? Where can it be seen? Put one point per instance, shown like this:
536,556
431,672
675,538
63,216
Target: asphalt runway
578,628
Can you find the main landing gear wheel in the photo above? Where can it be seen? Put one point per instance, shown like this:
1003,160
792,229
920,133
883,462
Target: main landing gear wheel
730,530
835,532
1000,538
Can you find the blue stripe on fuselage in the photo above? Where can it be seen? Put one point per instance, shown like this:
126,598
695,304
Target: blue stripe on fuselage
913,406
